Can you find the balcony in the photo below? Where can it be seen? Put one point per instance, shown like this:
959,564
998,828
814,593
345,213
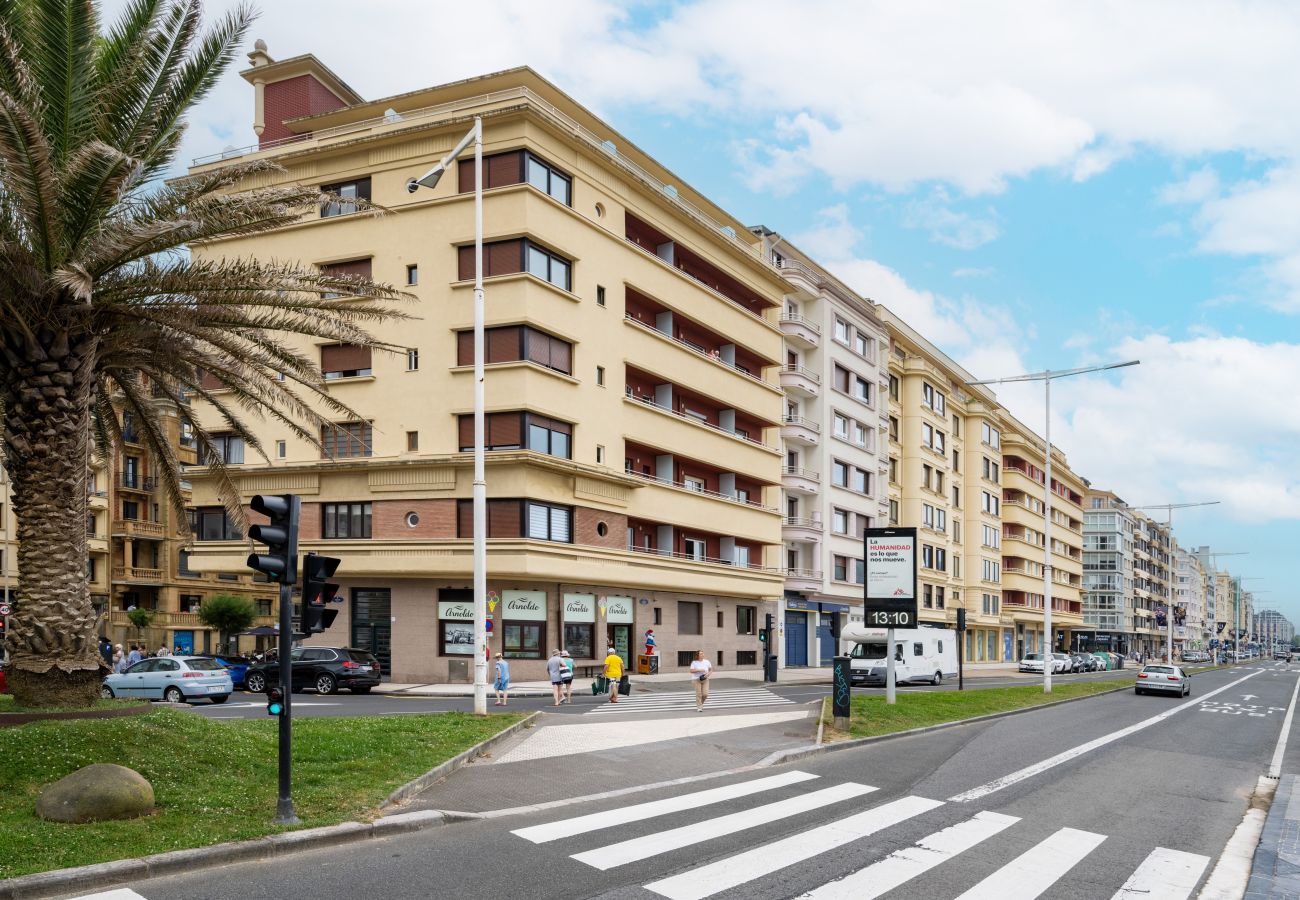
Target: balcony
803,580
800,481
800,331
730,498
799,276
136,575
137,528
145,484
689,449
799,528
709,560
800,380
800,430
747,366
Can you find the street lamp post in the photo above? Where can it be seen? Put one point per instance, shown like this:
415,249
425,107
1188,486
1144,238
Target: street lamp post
1046,377
429,180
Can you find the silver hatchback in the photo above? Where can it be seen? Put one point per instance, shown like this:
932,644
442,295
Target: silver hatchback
177,679
1163,679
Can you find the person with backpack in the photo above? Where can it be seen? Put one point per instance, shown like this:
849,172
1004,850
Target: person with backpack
566,677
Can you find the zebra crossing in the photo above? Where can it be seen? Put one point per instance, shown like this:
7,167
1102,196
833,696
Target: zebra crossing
677,701
1165,874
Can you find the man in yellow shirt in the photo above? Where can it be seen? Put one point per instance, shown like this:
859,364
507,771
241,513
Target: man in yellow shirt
613,672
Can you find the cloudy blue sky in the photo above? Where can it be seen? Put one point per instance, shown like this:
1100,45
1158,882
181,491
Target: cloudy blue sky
1032,185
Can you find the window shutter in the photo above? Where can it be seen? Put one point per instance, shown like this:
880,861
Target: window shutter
466,429
464,348
501,169
539,347
504,519
538,521
363,188
560,524
344,358
561,356
210,382
503,344
465,176
359,267
505,430
500,258
465,262
841,379
465,518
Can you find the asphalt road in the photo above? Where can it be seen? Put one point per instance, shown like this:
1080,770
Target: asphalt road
251,706
1072,801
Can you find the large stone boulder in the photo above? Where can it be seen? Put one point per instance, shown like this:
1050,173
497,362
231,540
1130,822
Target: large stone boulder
98,792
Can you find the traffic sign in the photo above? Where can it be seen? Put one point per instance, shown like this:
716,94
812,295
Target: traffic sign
890,591
4,609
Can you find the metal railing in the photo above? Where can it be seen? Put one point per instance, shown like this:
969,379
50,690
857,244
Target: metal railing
807,574
698,490
674,554
698,351
650,401
802,370
796,472
796,319
136,482
802,422
803,522
794,265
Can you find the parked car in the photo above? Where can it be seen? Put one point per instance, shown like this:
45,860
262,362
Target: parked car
1032,662
1060,663
1163,678
4,680
1284,655
176,679
325,669
1086,662
237,666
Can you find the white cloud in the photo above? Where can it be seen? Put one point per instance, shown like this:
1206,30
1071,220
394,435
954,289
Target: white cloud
947,225
974,272
833,237
1198,187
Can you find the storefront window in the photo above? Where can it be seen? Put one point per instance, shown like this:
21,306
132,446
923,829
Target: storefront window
579,640
523,640
456,622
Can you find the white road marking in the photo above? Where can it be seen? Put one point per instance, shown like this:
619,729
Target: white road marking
1038,868
903,865
1164,875
705,881
604,858
551,831
1275,767
118,894
728,698
1052,762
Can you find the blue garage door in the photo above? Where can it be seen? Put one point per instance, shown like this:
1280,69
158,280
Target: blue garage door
825,643
796,638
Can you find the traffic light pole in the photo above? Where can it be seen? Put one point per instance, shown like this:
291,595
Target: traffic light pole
284,813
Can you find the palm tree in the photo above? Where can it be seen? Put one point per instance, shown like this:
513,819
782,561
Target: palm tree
101,308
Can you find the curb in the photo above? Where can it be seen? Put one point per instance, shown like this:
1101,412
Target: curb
109,874
415,786
797,753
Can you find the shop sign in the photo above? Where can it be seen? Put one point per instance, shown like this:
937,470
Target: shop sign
455,609
618,609
579,608
526,605
889,594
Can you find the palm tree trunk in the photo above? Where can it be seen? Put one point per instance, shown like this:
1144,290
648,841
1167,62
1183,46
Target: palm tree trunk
47,434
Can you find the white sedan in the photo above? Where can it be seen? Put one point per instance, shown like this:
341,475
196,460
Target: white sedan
1032,662
1061,663
176,679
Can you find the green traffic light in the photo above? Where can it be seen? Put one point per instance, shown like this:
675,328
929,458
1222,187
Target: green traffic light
274,709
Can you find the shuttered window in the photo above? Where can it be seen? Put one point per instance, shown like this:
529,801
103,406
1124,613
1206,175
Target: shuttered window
516,167
549,523
354,268
515,430
512,343
504,518
347,191
508,257
344,361
346,439
841,382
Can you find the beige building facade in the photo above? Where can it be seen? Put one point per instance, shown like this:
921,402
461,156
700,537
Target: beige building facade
634,387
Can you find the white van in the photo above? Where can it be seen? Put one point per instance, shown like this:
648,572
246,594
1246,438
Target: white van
920,654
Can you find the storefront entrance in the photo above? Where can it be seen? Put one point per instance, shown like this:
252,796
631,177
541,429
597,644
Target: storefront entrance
620,638
796,638
372,624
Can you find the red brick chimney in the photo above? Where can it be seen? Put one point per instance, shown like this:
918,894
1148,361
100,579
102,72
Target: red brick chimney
288,89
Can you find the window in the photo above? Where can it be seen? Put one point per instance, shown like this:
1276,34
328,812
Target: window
412,360
859,571
841,426
927,395
893,387
989,469
940,561
694,548
990,503
746,619
263,606
690,617
346,439
991,435
927,515
860,344
893,470
547,266
927,435
226,447
344,361
927,557
412,274
840,379
348,193
956,425
938,604
600,375
893,512
956,566
694,484
350,521
927,475
956,459
840,568
515,343
860,436
992,570
940,519
190,603
210,523
990,604
840,521
939,442
547,179
862,389
600,453
517,431
956,497
549,523
522,640
940,404
893,428
927,600
992,537
281,449
412,441
579,640
839,474
841,331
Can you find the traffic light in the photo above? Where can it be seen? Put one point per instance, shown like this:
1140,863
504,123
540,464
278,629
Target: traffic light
765,633
835,627
961,619
280,562
318,593
274,702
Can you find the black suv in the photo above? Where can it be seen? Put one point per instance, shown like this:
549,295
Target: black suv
324,668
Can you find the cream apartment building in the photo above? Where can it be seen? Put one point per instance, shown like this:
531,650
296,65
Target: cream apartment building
834,435
634,386
1153,559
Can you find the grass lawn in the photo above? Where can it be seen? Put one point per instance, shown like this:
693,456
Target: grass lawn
871,716
213,781
7,705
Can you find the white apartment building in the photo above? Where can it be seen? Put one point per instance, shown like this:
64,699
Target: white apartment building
1108,600
1190,590
834,435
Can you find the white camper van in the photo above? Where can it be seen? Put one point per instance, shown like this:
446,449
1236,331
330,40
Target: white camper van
920,654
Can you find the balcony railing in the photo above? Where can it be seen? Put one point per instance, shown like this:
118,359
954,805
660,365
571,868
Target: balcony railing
796,472
694,348
803,422
139,528
803,522
136,482
696,490
803,574
135,573
650,401
803,371
673,554
793,265
796,319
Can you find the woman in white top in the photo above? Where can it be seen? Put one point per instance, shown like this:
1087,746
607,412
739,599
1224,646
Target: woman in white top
701,669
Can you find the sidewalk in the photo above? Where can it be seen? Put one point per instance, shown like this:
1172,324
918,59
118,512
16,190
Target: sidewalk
1276,869
670,680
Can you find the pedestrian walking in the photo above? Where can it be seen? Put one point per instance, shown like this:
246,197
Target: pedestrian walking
502,682
567,675
613,673
555,668
701,671
163,651
106,650
134,656
119,660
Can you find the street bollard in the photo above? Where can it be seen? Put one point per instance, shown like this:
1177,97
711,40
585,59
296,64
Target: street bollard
842,692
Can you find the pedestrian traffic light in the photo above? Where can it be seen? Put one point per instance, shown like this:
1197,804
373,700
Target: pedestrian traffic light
318,593
274,702
765,633
835,626
762,635
280,562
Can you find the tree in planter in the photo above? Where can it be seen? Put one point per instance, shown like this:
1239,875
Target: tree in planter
140,618
228,613
102,311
